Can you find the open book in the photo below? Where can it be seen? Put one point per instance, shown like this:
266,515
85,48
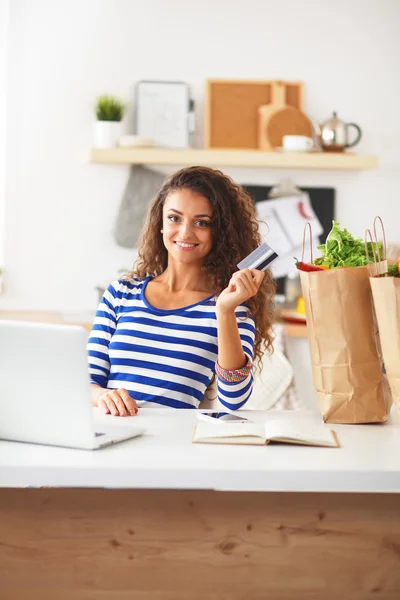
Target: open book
275,430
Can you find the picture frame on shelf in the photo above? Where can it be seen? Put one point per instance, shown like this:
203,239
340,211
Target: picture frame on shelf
162,112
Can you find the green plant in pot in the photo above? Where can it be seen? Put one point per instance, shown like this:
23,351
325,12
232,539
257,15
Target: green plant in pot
109,113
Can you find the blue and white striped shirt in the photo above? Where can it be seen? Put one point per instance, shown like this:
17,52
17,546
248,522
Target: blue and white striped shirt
162,357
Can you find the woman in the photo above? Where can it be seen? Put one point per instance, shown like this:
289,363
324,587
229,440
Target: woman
184,314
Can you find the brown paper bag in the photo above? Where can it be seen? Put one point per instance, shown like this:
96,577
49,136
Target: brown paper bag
345,364
386,295
346,370
386,299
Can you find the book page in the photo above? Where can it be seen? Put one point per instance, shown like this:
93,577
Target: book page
299,432
228,430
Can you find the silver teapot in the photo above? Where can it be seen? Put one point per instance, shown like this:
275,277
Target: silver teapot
334,134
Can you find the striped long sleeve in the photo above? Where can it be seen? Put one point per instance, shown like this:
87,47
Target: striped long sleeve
162,357
234,395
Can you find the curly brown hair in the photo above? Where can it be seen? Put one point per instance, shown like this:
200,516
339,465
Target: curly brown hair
234,226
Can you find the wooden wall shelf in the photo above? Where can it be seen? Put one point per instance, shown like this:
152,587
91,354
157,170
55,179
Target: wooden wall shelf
233,158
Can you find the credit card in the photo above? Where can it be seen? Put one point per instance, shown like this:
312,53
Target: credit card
259,259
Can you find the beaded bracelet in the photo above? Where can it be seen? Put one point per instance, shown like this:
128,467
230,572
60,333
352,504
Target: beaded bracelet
234,375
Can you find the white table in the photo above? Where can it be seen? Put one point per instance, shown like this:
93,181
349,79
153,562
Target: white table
159,517
165,458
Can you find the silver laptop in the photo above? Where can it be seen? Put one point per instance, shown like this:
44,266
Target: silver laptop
45,389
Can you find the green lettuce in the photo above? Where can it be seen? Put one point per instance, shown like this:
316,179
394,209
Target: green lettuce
342,250
393,270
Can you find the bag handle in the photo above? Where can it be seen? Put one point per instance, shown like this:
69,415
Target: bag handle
307,227
384,248
372,267
378,267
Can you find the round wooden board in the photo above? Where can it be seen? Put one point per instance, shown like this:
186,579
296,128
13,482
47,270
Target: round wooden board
287,121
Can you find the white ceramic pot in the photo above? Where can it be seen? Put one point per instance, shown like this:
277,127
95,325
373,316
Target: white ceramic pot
106,134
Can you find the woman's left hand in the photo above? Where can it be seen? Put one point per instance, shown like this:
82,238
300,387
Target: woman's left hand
243,285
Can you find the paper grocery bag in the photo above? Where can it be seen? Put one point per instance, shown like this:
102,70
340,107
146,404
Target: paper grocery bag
346,369
386,295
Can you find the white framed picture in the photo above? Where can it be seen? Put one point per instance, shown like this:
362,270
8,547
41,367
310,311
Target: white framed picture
162,112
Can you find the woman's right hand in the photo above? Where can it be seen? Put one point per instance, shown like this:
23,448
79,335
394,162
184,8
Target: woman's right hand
118,403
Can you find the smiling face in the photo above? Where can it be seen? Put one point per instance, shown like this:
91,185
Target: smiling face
187,231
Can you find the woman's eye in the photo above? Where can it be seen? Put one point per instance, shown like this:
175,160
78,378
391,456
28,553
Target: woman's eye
200,223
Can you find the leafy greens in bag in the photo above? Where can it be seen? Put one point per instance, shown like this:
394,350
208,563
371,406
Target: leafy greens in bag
394,270
342,250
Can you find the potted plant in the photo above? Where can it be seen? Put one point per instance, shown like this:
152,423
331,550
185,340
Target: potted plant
109,112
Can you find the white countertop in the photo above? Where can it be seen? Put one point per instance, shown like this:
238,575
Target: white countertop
165,458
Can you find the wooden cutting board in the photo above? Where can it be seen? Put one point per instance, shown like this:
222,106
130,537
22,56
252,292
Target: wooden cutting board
277,119
266,111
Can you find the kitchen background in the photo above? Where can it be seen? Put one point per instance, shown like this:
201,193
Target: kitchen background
57,210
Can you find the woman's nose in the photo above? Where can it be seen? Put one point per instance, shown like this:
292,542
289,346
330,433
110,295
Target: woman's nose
185,229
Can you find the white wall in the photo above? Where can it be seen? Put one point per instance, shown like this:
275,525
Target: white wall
4,30
60,209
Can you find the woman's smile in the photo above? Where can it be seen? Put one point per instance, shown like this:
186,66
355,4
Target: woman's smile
185,246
